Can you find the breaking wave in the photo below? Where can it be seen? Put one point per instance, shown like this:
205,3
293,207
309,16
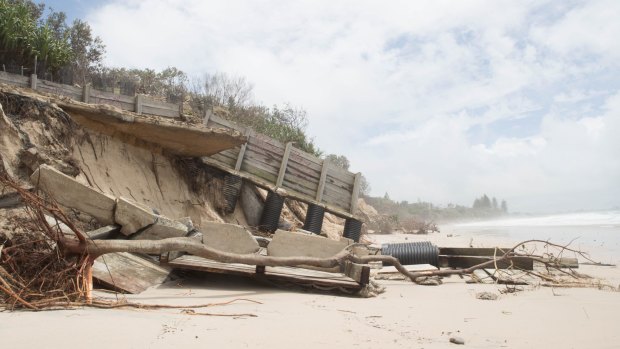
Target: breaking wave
600,219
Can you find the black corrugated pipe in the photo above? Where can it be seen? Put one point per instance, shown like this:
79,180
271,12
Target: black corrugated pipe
271,212
422,252
352,229
314,218
232,188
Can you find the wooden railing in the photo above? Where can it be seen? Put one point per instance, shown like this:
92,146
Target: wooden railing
303,176
140,104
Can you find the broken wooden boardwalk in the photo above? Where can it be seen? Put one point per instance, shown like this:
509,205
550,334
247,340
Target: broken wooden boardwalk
298,276
274,165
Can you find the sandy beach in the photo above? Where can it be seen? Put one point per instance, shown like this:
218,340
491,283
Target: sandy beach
406,315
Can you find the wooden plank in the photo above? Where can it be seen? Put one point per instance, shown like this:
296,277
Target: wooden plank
336,202
298,181
473,251
226,161
247,133
321,187
260,162
265,148
226,123
270,141
284,163
338,182
523,263
264,155
337,211
297,168
562,262
310,162
338,194
311,158
288,274
128,272
358,272
356,192
260,173
231,154
311,177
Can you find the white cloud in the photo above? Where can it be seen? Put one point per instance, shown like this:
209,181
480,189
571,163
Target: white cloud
437,100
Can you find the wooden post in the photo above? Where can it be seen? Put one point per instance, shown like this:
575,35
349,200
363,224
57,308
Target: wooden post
356,192
33,81
181,105
321,189
247,133
208,114
138,102
284,164
86,93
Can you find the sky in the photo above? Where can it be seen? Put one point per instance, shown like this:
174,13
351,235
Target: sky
438,101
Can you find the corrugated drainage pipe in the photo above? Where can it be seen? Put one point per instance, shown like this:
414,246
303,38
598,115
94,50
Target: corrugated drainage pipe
352,229
271,212
314,218
232,188
422,252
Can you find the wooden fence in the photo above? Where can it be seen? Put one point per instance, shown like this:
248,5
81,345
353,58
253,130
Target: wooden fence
302,175
140,104
262,160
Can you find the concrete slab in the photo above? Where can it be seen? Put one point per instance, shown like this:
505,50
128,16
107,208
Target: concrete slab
70,193
228,237
163,228
128,272
288,244
151,132
140,222
133,216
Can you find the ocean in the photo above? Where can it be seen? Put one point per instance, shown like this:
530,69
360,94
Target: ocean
595,232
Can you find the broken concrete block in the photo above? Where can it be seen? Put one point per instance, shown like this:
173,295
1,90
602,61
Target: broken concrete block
144,223
68,192
163,228
187,221
289,244
228,237
133,216
128,272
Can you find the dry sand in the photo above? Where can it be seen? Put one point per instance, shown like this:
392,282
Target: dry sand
406,315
